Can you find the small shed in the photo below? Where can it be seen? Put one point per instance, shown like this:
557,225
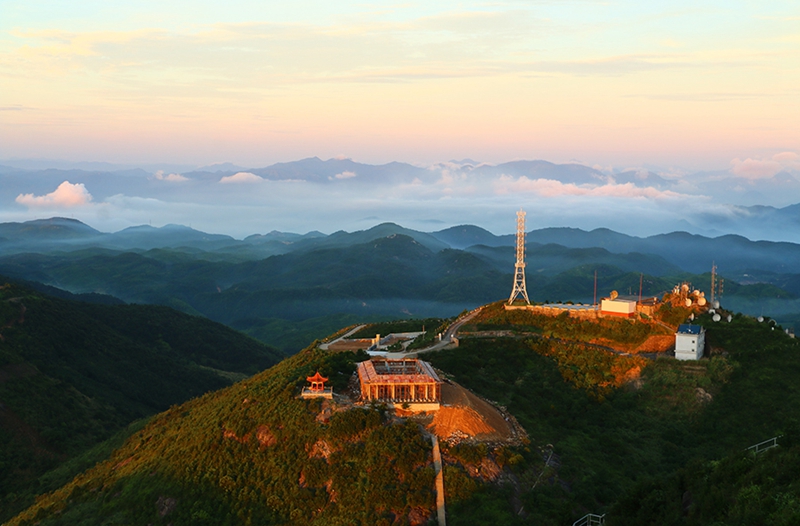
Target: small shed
618,307
689,342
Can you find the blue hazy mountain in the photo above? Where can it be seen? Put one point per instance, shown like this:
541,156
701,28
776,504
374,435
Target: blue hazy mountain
283,280
46,230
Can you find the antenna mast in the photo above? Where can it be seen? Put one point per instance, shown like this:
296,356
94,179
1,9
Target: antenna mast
713,280
519,268
641,278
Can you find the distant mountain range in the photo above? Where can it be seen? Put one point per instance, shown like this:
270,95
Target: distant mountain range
734,255
286,289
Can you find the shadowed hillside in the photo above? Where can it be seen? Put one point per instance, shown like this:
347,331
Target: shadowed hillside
73,373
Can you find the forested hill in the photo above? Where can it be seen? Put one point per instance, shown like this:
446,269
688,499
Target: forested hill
608,433
255,453
74,373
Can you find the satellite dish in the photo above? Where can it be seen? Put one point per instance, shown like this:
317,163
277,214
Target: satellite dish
685,287
614,294
760,319
701,301
711,311
729,318
695,292
691,316
688,302
716,304
716,317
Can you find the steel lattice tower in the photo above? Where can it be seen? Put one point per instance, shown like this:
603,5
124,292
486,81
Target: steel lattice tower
519,268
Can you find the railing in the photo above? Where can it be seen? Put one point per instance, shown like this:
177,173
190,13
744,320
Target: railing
765,445
590,519
317,393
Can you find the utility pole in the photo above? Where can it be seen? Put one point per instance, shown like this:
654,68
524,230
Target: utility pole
641,278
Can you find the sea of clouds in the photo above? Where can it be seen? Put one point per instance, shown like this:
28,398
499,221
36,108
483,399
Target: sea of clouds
340,194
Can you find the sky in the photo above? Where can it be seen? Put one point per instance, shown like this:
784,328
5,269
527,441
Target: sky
703,95
700,85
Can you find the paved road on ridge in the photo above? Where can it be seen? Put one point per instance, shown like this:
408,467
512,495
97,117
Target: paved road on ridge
447,338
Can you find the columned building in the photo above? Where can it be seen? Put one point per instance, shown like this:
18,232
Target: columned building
399,381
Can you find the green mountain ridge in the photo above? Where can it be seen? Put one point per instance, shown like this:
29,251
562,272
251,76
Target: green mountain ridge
73,373
270,285
255,453
383,278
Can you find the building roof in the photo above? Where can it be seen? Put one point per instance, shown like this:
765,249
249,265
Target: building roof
316,378
618,300
687,328
397,372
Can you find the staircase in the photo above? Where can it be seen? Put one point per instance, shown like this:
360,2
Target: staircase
590,519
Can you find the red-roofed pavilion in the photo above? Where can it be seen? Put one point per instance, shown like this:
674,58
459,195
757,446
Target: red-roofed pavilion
317,382
317,388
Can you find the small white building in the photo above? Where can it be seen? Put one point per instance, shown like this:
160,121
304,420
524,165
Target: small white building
689,342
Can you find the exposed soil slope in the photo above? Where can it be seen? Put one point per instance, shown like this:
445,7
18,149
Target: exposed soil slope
463,413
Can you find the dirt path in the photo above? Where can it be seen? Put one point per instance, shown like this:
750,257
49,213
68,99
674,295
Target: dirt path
325,346
437,466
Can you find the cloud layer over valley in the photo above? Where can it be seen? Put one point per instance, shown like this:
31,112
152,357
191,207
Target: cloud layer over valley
750,198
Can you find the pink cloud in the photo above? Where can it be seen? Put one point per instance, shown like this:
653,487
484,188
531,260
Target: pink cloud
553,188
241,177
755,168
67,195
174,178
786,157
